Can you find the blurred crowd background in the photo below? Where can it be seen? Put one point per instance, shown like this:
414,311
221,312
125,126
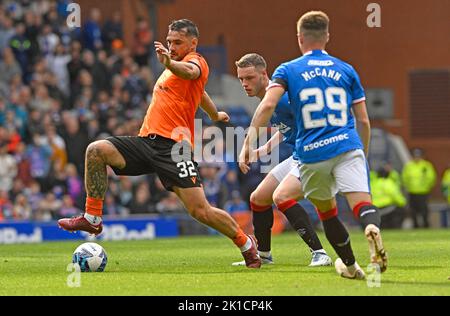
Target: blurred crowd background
61,89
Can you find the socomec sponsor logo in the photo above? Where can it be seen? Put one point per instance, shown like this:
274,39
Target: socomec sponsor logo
325,142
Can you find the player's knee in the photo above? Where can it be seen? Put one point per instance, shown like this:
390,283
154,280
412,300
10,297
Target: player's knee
199,211
256,198
95,150
279,197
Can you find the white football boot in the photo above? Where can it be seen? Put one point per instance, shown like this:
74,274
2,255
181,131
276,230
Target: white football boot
320,259
351,272
377,254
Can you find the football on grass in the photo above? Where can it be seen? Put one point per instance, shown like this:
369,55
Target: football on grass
91,257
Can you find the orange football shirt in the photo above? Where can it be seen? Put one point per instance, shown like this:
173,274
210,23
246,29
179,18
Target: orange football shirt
174,103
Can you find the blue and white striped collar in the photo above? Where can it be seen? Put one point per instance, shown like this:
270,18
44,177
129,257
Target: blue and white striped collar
311,52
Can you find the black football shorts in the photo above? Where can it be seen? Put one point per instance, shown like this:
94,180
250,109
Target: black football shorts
153,154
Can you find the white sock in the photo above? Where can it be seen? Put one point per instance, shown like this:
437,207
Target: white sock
320,250
247,245
265,254
94,220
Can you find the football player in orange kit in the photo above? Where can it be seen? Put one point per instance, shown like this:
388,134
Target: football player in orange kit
168,128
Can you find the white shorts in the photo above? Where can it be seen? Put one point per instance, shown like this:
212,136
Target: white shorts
294,171
345,173
283,169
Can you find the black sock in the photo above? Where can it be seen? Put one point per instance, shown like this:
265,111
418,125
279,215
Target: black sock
299,220
369,214
339,238
262,223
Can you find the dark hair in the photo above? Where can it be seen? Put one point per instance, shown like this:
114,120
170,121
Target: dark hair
186,26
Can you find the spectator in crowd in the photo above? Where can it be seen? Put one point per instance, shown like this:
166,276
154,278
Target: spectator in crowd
141,202
419,179
126,192
48,41
57,145
17,189
388,197
33,27
21,47
157,189
9,67
49,208
111,207
68,209
42,100
143,39
8,168
231,183
34,196
23,165
74,183
112,30
18,105
21,208
6,31
6,206
170,204
39,156
236,204
215,190
92,34
58,64
445,185
76,140
74,66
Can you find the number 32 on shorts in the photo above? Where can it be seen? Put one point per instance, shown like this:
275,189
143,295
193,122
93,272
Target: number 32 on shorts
187,169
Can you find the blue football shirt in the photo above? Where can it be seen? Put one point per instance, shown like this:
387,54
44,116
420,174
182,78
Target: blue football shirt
322,90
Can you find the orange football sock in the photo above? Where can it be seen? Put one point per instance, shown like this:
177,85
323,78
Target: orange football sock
94,206
241,238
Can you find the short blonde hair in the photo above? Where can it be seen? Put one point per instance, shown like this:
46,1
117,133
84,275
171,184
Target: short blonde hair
251,60
314,25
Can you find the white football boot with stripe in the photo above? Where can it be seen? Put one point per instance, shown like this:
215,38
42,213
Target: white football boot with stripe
351,272
378,255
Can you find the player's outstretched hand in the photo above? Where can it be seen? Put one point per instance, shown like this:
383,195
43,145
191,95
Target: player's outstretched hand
222,117
244,161
163,54
246,157
245,168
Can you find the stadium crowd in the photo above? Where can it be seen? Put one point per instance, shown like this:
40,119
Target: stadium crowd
61,89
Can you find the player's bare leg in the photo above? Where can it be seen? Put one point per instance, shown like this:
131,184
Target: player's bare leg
98,155
194,200
285,197
337,235
369,217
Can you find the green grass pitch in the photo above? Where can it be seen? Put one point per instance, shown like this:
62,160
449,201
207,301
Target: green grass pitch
419,265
